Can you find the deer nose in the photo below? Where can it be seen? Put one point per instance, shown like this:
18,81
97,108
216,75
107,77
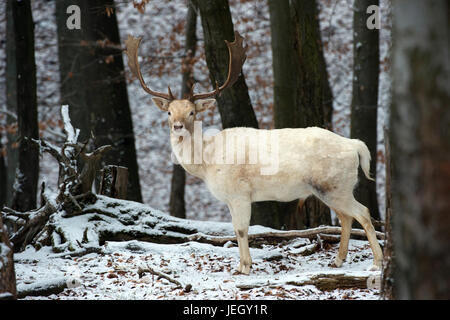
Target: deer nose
178,126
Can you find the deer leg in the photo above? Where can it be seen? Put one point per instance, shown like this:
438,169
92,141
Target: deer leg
240,213
356,210
346,226
371,236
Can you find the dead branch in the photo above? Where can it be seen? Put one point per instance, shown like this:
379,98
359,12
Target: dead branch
323,281
163,275
283,235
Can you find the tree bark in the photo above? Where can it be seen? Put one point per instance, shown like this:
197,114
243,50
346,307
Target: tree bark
177,204
114,181
3,174
387,288
7,274
27,172
366,63
11,104
313,93
286,113
234,103
420,143
93,83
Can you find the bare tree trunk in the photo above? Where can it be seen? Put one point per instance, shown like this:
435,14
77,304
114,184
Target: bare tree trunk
366,63
234,103
286,113
11,104
177,204
387,283
27,172
314,98
420,142
3,175
93,83
7,274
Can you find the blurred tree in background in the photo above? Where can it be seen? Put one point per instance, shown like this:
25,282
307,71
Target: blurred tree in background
93,83
23,73
366,65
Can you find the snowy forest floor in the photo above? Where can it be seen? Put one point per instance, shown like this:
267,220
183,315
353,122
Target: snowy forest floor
278,272
283,268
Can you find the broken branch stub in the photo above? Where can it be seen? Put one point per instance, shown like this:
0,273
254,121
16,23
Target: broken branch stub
114,182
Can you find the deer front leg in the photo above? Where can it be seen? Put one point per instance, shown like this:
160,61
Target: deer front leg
240,213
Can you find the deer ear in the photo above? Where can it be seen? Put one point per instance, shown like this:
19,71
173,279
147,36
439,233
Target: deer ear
202,105
161,103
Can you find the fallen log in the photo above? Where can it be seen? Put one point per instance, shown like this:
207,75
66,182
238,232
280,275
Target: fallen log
322,281
42,288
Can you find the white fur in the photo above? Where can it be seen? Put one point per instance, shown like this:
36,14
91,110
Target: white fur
310,161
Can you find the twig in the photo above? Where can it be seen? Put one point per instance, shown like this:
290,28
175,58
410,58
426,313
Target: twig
141,271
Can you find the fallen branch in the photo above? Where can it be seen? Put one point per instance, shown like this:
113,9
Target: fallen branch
149,269
78,253
328,282
284,235
42,288
322,281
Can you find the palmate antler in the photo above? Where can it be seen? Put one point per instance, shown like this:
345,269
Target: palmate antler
237,58
131,51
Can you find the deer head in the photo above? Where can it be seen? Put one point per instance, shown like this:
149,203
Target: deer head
182,112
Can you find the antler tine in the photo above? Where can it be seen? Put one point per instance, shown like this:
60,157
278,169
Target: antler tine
132,47
172,97
237,58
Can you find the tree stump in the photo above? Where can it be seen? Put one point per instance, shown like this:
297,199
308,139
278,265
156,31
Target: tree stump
114,182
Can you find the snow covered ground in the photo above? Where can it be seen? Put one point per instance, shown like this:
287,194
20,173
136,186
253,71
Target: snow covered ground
278,272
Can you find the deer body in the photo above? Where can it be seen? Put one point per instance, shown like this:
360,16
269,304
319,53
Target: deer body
312,161
303,162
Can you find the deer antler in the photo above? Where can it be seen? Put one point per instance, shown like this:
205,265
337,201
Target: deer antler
236,60
132,45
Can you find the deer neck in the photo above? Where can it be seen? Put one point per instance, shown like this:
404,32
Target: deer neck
188,151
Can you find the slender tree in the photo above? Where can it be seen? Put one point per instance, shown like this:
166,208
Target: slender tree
286,112
11,104
27,172
93,82
177,204
420,149
3,174
313,93
366,62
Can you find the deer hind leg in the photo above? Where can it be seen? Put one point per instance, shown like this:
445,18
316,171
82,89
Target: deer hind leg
356,210
240,213
346,226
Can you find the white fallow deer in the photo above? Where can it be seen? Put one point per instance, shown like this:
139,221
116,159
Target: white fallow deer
309,161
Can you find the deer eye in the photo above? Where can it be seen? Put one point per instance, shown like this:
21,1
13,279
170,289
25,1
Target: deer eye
169,113
192,113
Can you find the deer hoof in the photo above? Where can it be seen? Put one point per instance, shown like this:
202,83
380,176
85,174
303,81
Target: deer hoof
374,267
338,262
244,269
